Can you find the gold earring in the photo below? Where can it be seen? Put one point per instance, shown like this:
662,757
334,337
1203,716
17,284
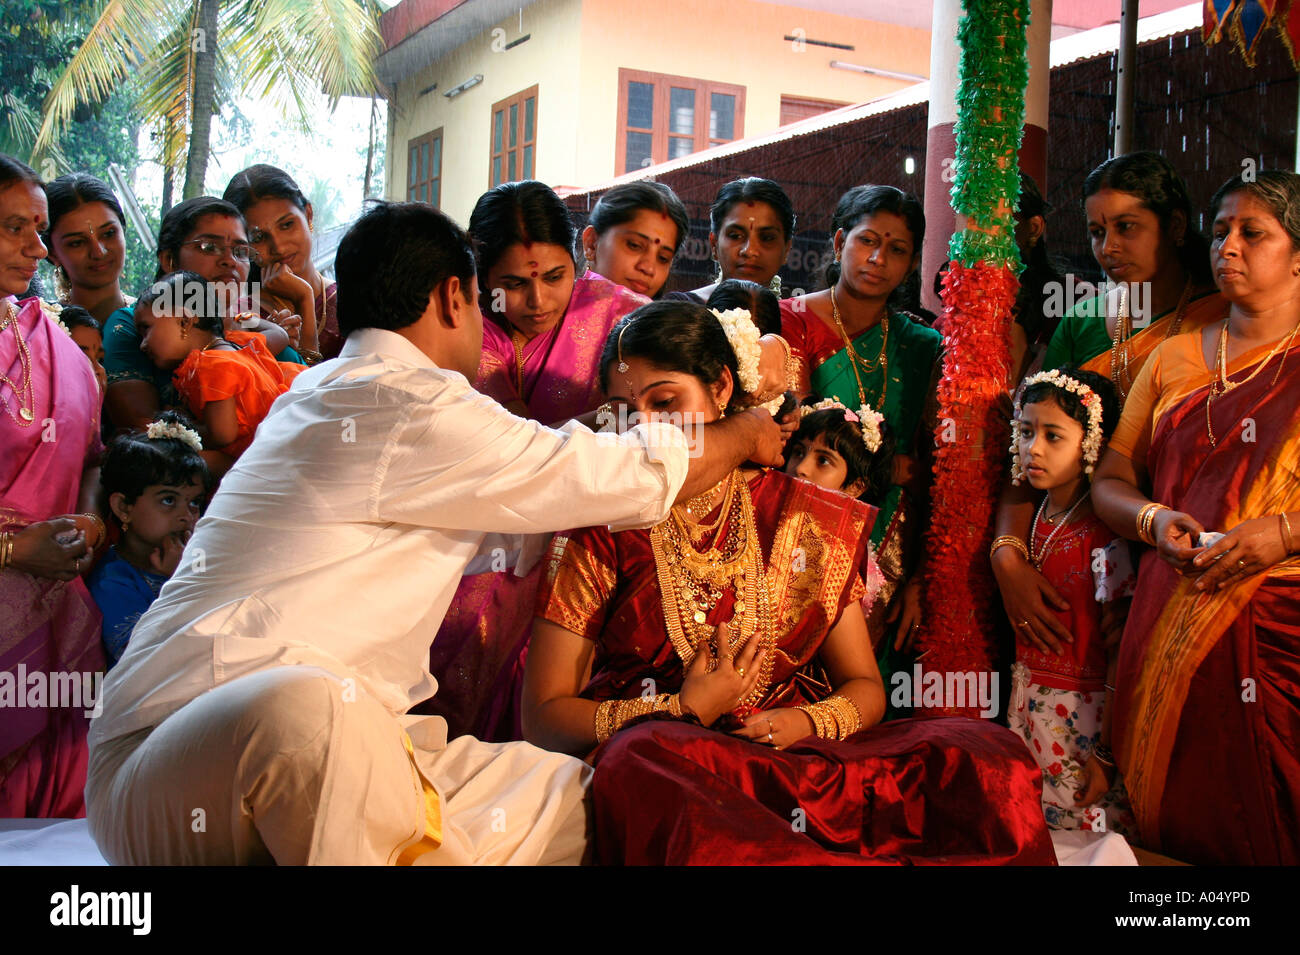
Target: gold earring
722,408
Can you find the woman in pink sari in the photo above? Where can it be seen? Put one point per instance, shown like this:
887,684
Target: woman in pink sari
49,429
541,350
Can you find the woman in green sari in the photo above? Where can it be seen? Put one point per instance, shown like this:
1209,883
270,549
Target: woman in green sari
854,346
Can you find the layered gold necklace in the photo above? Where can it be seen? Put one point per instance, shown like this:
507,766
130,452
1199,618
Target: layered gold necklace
692,581
868,367
1220,385
24,392
1119,347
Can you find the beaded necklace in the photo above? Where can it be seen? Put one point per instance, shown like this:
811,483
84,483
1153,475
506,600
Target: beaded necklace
1041,556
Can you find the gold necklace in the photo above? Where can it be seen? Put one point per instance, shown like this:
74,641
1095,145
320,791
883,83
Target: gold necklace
691,583
518,341
882,359
25,392
1219,383
1119,347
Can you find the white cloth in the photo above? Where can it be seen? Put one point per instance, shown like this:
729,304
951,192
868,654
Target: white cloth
339,537
290,765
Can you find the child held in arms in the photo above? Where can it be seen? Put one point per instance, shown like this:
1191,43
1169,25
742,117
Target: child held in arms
229,379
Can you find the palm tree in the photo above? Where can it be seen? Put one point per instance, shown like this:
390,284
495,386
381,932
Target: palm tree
193,56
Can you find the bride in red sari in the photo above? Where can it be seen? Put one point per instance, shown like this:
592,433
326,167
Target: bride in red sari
720,667
1206,722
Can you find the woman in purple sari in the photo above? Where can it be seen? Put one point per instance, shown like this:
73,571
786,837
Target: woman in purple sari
49,430
542,340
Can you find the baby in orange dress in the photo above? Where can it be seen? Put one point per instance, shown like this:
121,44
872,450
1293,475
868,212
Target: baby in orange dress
229,379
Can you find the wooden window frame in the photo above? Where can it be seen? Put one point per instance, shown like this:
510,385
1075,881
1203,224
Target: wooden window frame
663,83
789,100
433,182
520,100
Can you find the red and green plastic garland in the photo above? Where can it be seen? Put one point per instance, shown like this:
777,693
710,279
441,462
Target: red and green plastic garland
979,292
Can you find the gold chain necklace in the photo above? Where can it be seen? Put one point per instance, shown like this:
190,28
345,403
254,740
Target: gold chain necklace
691,583
1119,347
25,392
1219,383
882,359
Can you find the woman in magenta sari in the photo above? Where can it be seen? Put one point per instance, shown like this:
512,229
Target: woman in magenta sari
49,430
541,346
1207,715
720,667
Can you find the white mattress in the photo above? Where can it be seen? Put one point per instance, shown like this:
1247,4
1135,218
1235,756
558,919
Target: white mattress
68,842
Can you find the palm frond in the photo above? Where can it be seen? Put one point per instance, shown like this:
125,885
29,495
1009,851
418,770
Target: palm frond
121,36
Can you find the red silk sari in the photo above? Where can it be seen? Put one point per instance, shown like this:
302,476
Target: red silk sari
1208,702
671,792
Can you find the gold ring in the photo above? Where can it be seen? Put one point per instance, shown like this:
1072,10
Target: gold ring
1241,563
1024,623
740,670
769,734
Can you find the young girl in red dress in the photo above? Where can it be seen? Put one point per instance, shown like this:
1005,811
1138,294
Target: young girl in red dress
229,379
1060,701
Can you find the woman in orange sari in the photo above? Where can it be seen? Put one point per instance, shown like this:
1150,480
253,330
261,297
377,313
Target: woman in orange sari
1139,218
1203,467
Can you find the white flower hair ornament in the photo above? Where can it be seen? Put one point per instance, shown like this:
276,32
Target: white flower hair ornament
1091,438
866,418
168,429
743,335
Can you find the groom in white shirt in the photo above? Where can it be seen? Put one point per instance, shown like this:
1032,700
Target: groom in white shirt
260,712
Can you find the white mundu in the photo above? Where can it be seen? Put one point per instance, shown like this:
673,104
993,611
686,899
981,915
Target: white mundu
259,713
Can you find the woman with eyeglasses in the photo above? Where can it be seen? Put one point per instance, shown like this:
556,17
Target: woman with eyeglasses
204,235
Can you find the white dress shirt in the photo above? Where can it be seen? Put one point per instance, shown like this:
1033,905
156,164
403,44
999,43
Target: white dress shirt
339,537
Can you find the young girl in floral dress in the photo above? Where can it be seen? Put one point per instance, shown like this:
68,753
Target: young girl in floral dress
1060,702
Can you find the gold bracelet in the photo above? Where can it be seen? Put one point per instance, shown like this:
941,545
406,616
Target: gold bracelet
6,547
310,357
604,720
1007,540
1145,519
847,715
1287,539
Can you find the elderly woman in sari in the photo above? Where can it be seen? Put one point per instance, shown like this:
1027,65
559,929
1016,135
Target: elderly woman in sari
714,624
49,432
1203,468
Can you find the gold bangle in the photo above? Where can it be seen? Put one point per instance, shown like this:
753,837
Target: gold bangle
6,545
310,357
99,525
1007,540
1288,541
604,721
1145,519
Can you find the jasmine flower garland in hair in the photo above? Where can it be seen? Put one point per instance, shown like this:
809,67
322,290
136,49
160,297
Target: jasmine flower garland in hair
744,336
164,429
867,420
1091,401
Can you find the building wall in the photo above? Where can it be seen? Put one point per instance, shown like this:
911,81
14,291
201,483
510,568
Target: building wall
576,50
740,42
550,59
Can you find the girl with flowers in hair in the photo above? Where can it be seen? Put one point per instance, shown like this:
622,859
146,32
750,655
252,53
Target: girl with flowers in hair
679,654
1060,702
850,452
153,483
